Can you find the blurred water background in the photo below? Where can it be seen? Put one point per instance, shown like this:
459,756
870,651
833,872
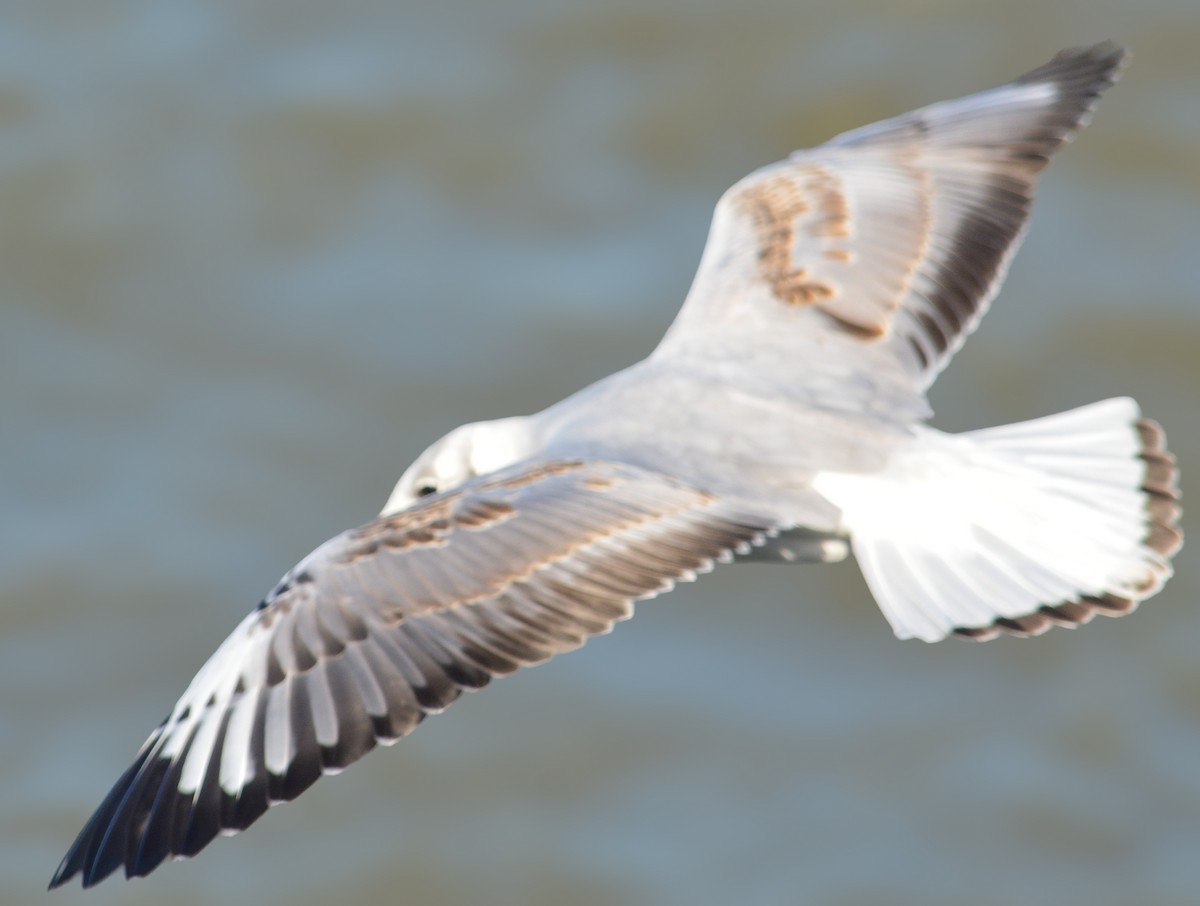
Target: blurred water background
254,257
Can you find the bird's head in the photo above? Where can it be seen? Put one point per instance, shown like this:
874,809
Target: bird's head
475,449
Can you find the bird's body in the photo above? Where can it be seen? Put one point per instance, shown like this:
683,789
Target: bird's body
780,443
781,418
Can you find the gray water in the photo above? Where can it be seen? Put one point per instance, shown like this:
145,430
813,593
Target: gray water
254,257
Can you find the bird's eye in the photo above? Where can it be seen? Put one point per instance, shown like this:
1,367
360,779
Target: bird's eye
426,489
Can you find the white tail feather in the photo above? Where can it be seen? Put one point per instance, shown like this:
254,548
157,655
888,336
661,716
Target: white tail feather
997,528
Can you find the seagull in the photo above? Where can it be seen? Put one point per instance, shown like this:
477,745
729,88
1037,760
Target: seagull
783,418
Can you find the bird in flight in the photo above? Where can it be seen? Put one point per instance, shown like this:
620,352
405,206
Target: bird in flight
782,417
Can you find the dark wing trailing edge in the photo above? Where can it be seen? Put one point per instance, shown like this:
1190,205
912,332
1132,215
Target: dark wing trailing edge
390,622
896,235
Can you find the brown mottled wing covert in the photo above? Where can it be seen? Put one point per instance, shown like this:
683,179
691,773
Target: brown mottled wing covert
896,234
390,622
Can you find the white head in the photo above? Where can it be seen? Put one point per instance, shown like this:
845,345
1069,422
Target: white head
465,452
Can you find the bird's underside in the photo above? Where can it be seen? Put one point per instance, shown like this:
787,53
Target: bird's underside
842,279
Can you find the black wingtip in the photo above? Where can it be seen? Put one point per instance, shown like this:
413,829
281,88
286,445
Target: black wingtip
63,874
1096,66
92,853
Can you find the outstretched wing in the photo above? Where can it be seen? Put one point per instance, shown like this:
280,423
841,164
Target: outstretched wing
894,236
392,621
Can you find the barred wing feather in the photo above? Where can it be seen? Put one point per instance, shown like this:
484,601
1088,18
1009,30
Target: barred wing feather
390,622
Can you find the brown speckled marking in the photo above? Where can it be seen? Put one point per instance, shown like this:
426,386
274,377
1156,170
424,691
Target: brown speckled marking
478,514
834,222
538,473
861,331
429,526
431,523
418,537
774,205
425,513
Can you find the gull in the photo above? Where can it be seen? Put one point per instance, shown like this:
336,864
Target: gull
782,417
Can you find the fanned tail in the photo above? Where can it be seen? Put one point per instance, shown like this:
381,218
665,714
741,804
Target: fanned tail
1017,528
